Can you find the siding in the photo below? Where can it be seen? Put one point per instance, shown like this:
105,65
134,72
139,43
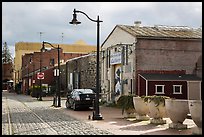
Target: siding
168,88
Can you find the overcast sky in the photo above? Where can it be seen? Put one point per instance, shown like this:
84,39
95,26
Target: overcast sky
23,21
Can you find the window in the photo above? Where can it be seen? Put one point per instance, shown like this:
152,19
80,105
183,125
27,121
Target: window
177,89
126,56
159,89
52,62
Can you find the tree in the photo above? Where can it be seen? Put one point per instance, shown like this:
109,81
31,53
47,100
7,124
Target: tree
6,55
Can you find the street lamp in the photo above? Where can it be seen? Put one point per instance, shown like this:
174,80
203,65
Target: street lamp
27,80
33,77
58,80
40,95
96,115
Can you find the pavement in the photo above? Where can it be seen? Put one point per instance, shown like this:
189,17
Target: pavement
118,124
113,121
24,115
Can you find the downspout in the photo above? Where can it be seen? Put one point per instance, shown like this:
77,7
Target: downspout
122,65
135,68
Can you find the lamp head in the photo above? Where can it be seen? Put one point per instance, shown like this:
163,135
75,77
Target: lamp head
43,47
74,20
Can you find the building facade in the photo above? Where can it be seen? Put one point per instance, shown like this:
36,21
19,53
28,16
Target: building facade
7,75
130,51
81,72
22,48
47,62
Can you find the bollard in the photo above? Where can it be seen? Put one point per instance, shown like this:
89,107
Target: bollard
54,101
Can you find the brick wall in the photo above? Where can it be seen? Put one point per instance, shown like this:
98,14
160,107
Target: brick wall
31,62
167,56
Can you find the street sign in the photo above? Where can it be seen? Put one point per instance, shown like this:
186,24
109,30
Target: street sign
56,72
40,75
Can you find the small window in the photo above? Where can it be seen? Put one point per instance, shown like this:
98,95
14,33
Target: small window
159,89
177,89
52,62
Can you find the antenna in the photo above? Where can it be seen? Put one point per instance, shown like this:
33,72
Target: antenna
40,35
62,37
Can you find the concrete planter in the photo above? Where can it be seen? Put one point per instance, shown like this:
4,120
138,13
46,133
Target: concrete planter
130,113
157,112
195,107
141,108
177,110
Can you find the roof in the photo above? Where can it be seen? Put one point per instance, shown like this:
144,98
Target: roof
161,31
76,58
78,47
169,77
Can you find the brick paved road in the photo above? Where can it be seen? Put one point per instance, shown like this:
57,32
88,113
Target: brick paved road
22,115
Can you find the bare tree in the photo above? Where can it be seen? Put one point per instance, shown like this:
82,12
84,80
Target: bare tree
6,55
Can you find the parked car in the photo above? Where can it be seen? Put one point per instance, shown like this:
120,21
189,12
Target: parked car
80,98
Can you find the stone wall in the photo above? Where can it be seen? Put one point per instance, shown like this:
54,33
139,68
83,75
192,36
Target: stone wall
83,71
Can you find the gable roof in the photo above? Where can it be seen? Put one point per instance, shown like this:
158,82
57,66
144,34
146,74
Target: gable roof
170,77
183,32
160,32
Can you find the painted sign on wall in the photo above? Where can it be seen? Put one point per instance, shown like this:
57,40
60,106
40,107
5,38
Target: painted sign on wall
115,58
117,79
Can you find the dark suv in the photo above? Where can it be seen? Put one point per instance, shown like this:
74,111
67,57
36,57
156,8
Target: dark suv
80,98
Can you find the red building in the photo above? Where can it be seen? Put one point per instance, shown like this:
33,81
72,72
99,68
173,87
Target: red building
7,75
49,60
172,85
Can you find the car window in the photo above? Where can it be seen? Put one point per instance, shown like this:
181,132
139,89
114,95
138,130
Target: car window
85,91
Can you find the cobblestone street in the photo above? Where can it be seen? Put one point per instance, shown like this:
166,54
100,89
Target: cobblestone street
21,115
24,115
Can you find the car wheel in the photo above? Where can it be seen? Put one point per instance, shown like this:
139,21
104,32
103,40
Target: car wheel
67,104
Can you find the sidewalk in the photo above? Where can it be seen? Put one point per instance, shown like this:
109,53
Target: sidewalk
114,122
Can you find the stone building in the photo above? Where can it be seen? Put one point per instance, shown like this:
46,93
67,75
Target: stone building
132,50
80,72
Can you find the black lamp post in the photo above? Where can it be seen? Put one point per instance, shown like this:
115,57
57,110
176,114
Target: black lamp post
58,80
33,77
28,79
40,95
96,115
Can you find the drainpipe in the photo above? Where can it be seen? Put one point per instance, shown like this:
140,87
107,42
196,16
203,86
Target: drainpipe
135,67
122,65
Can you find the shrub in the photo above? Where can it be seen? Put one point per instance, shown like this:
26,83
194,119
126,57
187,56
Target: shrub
125,102
157,99
36,91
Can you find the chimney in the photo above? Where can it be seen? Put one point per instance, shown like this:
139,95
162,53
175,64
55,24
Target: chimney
137,23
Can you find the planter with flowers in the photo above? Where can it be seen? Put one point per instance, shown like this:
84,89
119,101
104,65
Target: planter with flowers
141,108
157,110
125,102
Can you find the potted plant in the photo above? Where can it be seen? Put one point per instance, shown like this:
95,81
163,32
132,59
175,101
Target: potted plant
157,110
141,108
126,103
